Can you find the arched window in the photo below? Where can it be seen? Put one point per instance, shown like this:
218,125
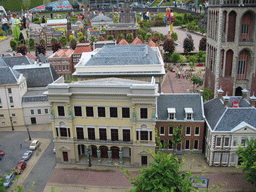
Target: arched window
224,25
238,91
246,27
243,64
231,26
229,63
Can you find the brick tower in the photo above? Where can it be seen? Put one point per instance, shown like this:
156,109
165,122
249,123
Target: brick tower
231,46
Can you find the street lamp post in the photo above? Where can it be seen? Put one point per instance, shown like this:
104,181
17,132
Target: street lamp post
11,123
29,138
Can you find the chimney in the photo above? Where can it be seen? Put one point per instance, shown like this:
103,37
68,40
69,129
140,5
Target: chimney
220,92
253,101
245,92
226,99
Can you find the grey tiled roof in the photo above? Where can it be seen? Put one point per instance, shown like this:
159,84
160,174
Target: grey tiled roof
121,25
34,96
101,18
2,63
124,55
179,102
8,76
41,58
38,76
221,118
17,60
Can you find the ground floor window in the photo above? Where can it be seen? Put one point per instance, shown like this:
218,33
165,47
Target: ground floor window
65,156
144,160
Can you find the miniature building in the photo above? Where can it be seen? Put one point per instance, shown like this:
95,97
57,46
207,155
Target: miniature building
122,28
101,21
93,32
80,48
100,44
127,16
230,62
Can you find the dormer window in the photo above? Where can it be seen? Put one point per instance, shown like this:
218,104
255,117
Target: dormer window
171,113
189,113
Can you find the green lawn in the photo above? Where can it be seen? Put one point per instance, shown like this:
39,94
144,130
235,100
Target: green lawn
155,3
167,3
16,5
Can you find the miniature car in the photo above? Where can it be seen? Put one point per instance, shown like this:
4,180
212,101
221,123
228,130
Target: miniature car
26,156
9,178
2,152
20,167
199,64
34,144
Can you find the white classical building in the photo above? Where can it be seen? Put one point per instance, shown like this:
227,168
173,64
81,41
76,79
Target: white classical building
101,21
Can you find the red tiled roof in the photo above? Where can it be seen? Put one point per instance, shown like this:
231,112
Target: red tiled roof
94,29
59,53
151,43
31,56
18,54
64,53
81,49
137,41
68,53
123,42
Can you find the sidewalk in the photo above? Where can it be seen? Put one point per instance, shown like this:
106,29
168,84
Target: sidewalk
42,127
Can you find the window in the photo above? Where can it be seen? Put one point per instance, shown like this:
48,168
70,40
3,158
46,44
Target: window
80,133
234,141
143,113
226,142
9,90
187,144
232,158
170,130
216,158
61,111
144,160
187,130
126,135
137,135
13,115
63,132
114,134
1,115
103,134
32,112
243,141
218,142
144,135
64,67
39,111
150,135
171,116
189,116
224,158
46,111
161,130
196,144
101,112
78,111
245,28
89,112
57,132
113,111
170,144
91,133
197,130
125,112
11,99
59,68
67,67
241,67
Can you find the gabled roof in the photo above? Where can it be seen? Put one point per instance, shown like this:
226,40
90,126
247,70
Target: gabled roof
179,102
136,41
8,76
63,53
101,18
19,60
93,30
31,56
226,118
151,43
123,42
38,75
81,49
41,58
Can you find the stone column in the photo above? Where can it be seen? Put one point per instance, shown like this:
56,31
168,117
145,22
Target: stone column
88,153
121,156
109,156
99,154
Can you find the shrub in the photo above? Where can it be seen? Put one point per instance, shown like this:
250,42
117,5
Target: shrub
2,33
81,38
80,34
73,44
22,49
100,38
103,29
188,45
55,46
202,44
54,39
120,36
175,58
143,33
71,37
177,23
110,37
129,38
95,28
93,38
10,31
27,32
174,36
36,19
156,34
13,44
140,37
147,37
40,48
31,43
63,41
42,41
169,46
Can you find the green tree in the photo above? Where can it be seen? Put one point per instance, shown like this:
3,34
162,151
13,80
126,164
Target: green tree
202,44
93,38
175,58
120,36
196,81
143,33
110,37
188,45
71,38
31,43
147,37
42,41
103,29
80,34
13,44
247,157
169,46
177,136
26,4
207,94
63,41
129,37
192,61
100,38
174,36
54,39
95,28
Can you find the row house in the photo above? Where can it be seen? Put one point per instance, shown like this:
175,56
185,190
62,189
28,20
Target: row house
62,62
109,120
230,120
80,48
184,111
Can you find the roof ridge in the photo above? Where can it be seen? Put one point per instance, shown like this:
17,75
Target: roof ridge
220,119
13,73
51,72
